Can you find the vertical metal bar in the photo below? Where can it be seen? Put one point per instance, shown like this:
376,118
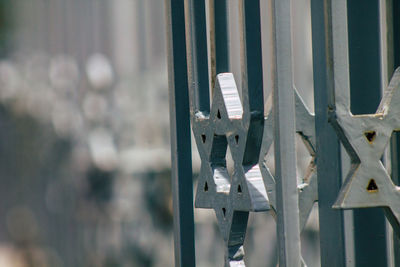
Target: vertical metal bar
395,159
251,56
288,226
332,232
365,84
395,142
219,35
252,76
181,162
386,66
196,34
364,55
396,32
385,29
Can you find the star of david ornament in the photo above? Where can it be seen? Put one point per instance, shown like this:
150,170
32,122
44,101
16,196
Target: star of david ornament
232,196
365,138
307,189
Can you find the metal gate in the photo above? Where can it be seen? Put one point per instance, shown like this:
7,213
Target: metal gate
352,137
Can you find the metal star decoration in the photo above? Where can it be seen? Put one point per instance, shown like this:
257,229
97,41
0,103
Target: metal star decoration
365,138
308,193
308,188
232,196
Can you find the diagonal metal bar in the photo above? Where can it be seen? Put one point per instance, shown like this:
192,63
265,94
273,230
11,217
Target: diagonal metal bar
181,162
288,226
332,232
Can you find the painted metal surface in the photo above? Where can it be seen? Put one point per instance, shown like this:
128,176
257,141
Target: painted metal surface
365,83
219,38
331,222
393,11
365,138
308,187
236,125
287,200
181,169
231,195
347,127
231,122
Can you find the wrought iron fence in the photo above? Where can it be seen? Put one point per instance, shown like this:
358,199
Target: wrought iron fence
353,148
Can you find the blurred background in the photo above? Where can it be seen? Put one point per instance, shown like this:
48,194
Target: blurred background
84,137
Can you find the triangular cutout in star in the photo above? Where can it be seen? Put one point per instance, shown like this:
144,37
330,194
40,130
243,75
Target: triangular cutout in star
370,136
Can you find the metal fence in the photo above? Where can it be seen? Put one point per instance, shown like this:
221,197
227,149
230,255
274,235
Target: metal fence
351,138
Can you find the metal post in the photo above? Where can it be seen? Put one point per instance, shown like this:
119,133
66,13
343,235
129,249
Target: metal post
196,35
395,142
395,159
332,232
251,57
365,84
181,162
219,38
288,226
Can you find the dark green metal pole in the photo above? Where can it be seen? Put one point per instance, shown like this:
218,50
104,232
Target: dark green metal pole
365,84
332,243
181,161
221,36
395,142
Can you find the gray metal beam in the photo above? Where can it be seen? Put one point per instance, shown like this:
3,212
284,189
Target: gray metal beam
288,226
332,232
181,161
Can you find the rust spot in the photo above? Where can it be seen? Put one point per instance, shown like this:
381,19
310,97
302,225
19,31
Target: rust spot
372,187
